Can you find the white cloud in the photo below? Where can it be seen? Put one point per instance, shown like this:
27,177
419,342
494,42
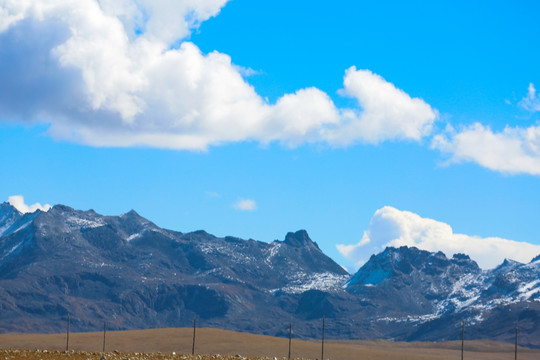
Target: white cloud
387,113
512,151
531,102
245,205
163,20
17,201
121,73
392,227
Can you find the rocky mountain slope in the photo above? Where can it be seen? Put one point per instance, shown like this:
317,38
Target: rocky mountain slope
131,273
419,295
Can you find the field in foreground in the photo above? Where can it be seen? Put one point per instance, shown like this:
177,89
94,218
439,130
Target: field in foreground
158,344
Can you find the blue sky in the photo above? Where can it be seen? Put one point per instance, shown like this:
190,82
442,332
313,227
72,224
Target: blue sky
253,122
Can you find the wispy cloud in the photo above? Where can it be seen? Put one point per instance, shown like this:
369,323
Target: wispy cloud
121,73
17,201
245,205
531,102
392,227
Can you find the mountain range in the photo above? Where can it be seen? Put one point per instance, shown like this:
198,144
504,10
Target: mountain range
132,274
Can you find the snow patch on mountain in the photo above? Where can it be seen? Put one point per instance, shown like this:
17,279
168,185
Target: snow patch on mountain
23,225
271,252
528,290
231,251
301,282
76,222
12,250
464,292
375,277
409,318
8,216
3,229
134,236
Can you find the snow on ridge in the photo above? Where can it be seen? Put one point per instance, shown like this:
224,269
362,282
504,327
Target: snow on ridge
24,225
410,318
375,277
98,264
13,250
8,219
301,282
5,228
134,236
75,221
528,290
466,290
219,249
272,251
158,230
19,222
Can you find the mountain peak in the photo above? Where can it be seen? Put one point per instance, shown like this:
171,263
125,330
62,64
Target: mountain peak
6,207
131,213
508,263
405,262
8,217
298,239
62,208
460,256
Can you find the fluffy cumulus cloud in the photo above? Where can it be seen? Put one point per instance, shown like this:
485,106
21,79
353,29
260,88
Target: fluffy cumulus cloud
245,205
122,73
387,112
514,150
17,201
392,227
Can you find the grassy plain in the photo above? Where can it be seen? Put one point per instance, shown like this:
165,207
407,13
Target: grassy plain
158,344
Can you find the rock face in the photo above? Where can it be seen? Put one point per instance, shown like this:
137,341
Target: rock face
129,272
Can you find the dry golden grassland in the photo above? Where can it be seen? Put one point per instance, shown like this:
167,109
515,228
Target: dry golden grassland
214,344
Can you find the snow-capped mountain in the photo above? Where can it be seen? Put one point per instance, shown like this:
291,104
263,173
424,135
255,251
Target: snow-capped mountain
431,294
421,280
437,285
133,274
12,221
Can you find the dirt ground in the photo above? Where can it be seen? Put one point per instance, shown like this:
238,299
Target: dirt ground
214,344
86,355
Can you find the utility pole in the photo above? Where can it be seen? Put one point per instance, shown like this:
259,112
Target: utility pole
194,327
104,333
290,337
515,352
462,337
67,338
322,347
